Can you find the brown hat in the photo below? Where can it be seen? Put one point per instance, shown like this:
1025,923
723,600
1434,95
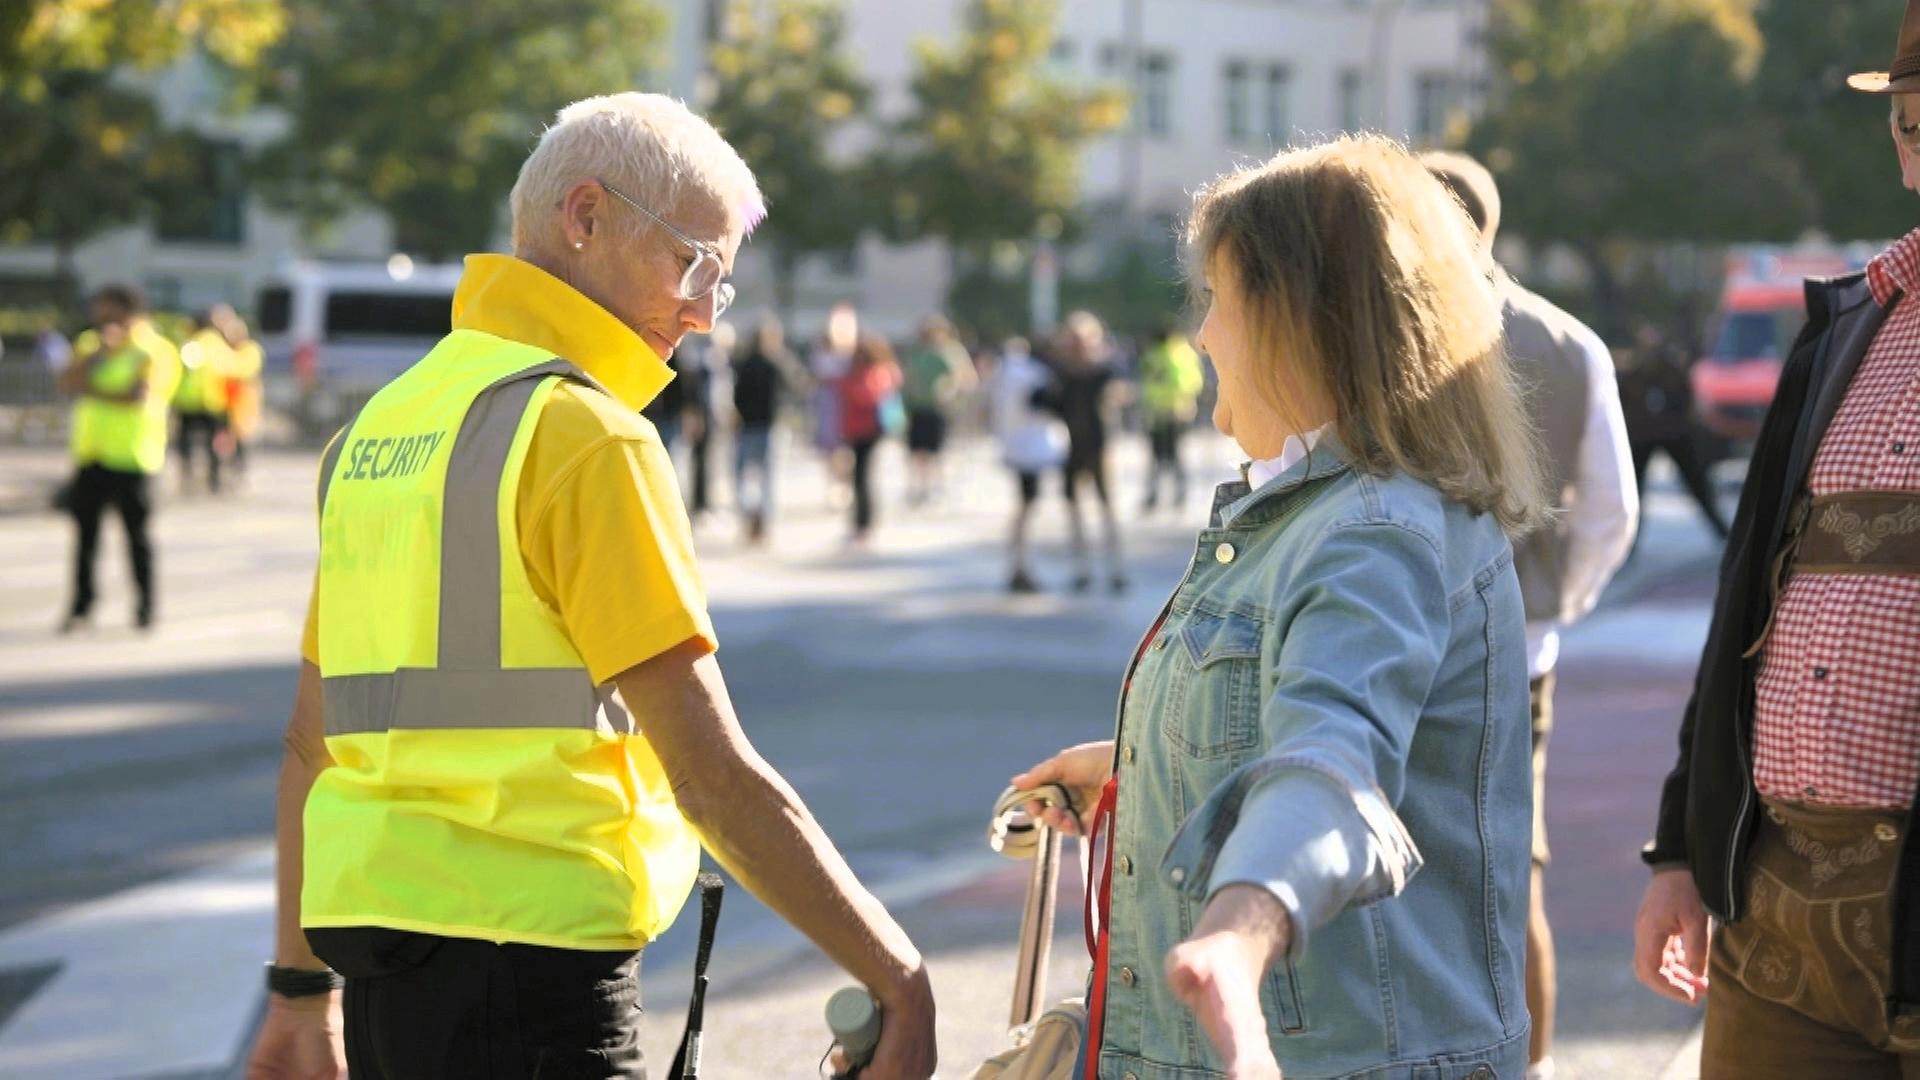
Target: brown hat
1904,76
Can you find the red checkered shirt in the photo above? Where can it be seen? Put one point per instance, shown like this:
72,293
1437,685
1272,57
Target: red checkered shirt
1837,711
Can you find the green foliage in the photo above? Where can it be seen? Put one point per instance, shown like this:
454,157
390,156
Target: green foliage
1137,288
426,110
82,152
1838,135
785,89
42,40
991,148
1636,120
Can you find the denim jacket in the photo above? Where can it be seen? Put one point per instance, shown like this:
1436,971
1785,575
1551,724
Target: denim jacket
1333,707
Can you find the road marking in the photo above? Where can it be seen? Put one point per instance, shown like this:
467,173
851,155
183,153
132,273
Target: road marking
162,979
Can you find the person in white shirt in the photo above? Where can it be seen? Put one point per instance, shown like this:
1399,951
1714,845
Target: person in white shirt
1033,441
1563,569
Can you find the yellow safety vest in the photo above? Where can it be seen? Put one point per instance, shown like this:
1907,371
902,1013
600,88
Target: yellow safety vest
124,436
482,785
205,361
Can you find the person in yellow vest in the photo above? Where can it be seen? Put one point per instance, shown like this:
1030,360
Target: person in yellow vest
1171,380
511,737
245,361
200,399
119,441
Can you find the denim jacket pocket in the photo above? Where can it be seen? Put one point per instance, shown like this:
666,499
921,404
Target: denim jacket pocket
1216,700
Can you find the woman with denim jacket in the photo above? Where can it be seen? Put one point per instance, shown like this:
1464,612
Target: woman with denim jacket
1313,822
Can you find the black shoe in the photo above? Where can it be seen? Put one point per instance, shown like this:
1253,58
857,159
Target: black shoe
143,619
1023,583
1082,583
1118,584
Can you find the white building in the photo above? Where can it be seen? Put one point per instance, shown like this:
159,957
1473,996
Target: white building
1216,82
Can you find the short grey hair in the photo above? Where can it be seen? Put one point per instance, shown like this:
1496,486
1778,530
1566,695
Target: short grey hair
650,146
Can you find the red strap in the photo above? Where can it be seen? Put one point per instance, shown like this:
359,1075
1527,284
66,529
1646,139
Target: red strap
1097,932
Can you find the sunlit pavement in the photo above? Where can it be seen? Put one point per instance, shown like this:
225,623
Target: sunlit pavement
897,688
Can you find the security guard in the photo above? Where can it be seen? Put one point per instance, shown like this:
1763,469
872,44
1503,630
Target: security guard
200,400
511,737
118,441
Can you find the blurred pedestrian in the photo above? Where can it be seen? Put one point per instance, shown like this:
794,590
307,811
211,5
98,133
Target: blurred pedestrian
1567,376
1331,702
939,376
119,441
1033,443
762,376
1658,397
831,359
1171,379
51,349
1085,395
869,410
507,749
243,384
200,400
709,364
1786,828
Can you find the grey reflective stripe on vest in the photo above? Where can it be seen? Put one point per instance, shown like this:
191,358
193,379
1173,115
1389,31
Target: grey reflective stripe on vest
468,688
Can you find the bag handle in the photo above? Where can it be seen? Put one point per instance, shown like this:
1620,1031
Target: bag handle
686,1060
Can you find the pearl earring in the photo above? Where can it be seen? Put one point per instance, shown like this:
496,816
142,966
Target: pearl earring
579,245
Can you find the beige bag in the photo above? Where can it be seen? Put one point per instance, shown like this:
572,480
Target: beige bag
1049,1047
1051,1051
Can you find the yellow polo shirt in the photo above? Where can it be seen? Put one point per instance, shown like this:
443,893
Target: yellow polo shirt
603,531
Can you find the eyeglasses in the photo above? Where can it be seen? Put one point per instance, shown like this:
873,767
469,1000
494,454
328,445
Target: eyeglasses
703,274
1909,132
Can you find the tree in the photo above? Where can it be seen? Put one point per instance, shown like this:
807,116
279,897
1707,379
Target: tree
1625,123
991,148
85,150
426,110
1838,135
786,90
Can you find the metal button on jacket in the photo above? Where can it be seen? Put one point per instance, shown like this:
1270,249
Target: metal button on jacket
1125,864
1224,553
1126,976
1885,833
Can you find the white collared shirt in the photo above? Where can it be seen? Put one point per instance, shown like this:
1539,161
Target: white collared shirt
1296,448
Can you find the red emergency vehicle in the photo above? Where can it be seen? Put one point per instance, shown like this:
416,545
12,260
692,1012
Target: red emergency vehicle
1762,307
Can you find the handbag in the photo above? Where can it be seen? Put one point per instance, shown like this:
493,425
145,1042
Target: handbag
1051,1045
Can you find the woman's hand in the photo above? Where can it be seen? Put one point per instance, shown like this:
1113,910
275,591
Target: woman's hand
1217,972
1083,770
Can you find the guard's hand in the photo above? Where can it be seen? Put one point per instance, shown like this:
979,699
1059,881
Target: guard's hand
1083,770
1670,938
301,1039
1217,972
906,1050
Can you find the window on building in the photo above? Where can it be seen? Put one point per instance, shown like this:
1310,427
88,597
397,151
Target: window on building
1061,56
1110,55
1435,96
205,200
1278,108
1234,90
1156,92
1353,99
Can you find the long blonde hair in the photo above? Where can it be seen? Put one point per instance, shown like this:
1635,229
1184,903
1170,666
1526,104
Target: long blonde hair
1359,276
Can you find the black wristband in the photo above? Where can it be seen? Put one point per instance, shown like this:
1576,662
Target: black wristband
299,982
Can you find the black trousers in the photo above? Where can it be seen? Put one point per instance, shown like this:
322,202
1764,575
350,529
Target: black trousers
1692,465
95,488
420,1006
200,433
863,483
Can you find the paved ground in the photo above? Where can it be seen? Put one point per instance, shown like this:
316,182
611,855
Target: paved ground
136,772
